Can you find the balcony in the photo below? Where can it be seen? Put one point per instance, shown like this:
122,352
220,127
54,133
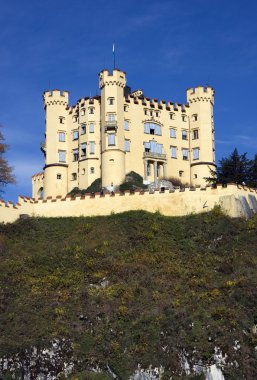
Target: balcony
110,125
158,156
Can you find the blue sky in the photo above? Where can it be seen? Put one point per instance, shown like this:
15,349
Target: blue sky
164,46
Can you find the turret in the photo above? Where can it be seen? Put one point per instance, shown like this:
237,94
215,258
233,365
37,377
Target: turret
201,125
56,143
112,127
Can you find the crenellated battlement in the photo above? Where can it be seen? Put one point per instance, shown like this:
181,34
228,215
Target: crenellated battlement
117,77
200,94
56,97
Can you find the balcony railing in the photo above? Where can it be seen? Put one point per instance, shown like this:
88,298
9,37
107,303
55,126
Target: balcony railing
110,125
160,156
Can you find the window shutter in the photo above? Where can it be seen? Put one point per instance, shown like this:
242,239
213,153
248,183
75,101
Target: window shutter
147,128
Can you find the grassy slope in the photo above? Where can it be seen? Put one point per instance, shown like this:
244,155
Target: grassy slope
164,274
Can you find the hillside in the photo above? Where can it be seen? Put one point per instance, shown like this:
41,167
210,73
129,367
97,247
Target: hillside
77,294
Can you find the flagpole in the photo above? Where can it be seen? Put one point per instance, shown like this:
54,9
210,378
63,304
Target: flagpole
113,50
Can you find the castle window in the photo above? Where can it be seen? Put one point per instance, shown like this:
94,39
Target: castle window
195,176
184,135
173,152
74,176
91,110
146,112
111,101
157,114
83,112
83,171
153,147
152,129
92,170
59,176
194,117
195,134
185,154
196,154
181,173
151,113
92,147
111,139
75,135
126,125
75,119
125,108
61,136
62,155
83,129
91,128
75,153
173,133
184,117
61,119
172,115
83,149
111,117
127,146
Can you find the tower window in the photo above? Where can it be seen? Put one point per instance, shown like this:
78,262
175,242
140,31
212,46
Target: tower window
83,149
75,135
61,136
61,119
196,154
125,108
83,129
75,154
157,114
111,139
172,116
146,112
111,101
83,171
127,146
92,147
75,119
194,117
92,170
91,110
62,156
126,125
195,134
74,176
59,176
184,117
83,112
181,173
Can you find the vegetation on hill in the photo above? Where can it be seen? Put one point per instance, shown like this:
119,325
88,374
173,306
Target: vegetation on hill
6,174
131,288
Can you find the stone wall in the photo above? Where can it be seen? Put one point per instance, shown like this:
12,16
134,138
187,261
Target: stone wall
236,201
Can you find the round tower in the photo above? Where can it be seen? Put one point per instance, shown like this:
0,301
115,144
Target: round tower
112,127
55,146
202,147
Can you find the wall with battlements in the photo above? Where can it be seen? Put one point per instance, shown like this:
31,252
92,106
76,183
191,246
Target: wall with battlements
236,201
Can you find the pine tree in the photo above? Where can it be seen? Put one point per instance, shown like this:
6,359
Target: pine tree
253,172
6,175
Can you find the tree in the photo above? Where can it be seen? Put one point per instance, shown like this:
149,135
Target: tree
6,175
236,168
253,172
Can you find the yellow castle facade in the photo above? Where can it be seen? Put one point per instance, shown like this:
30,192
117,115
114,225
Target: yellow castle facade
120,131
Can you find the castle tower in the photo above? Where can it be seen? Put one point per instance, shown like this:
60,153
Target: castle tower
112,127
201,127
56,143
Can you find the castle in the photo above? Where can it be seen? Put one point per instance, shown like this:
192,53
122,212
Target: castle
108,136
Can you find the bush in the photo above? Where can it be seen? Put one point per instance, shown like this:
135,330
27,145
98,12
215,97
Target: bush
132,181
175,181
